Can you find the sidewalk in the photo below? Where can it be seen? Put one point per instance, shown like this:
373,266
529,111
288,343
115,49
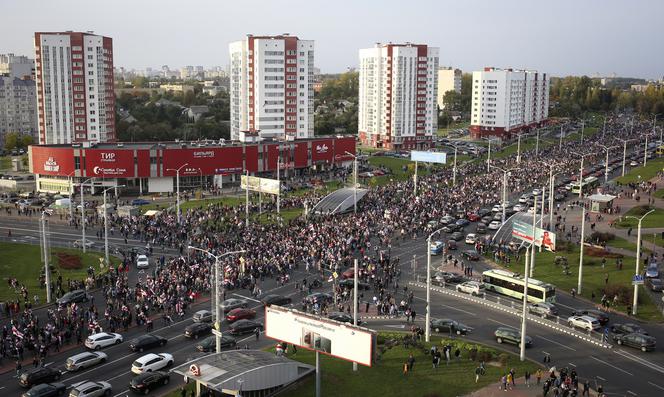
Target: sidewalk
495,390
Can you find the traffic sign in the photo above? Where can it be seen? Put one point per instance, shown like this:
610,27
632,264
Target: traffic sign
335,275
216,333
638,279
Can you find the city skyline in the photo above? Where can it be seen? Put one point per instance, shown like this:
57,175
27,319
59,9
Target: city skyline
567,38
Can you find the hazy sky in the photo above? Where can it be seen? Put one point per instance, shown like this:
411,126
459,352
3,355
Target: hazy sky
560,37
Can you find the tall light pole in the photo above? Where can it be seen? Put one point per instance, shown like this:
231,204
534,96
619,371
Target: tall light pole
532,249
218,315
177,186
583,234
604,127
454,166
83,213
638,257
580,171
645,152
354,181
518,149
537,144
624,141
71,195
47,267
108,263
606,161
522,345
504,200
427,327
488,159
355,277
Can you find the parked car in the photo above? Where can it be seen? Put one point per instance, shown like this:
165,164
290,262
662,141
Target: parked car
195,330
210,343
91,389
232,303
480,228
85,360
652,271
202,316
46,390
601,316
140,202
451,245
244,327
349,283
471,255
456,236
102,340
471,287
450,326
584,322
240,314
147,341
142,262
463,222
39,375
147,382
638,341
76,296
494,225
628,328
543,309
343,317
151,362
655,284
511,335
447,277
437,247
79,244
471,238
273,299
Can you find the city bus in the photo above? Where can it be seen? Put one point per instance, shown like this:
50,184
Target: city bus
511,284
660,150
587,185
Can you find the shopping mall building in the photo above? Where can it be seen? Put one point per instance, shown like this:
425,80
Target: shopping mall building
151,167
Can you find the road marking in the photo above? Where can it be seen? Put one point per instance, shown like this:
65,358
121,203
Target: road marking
395,326
47,364
498,322
572,365
631,392
611,365
640,360
599,377
557,343
246,297
124,393
657,386
449,307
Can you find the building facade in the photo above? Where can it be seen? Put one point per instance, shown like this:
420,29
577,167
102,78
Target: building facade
397,98
17,66
271,87
449,79
506,101
18,107
74,76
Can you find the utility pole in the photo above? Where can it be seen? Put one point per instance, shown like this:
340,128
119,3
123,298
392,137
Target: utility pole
246,202
355,302
454,167
518,149
427,326
106,256
638,258
522,345
47,267
532,248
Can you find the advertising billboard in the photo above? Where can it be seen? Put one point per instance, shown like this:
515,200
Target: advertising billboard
256,184
51,161
522,231
429,157
543,238
109,163
330,337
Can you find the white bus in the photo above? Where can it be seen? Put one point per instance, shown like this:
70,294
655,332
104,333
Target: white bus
511,284
587,185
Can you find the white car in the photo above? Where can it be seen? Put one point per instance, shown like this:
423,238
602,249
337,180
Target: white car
85,360
102,339
633,163
471,238
519,207
494,225
142,262
585,322
151,362
88,243
471,287
497,208
90,389
524,198
537,192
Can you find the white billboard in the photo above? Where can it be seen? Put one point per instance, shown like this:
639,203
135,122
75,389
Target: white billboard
256,184
429,157
331,337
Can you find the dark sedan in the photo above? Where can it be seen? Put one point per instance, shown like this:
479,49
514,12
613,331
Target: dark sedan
628,328
145,342
276,300
146,382
450,326
320,298
655,284
639,341
349,284
76,296
457,236
471,255
46,390
602,317
343,317
447,277
195,330
240,314
39,375
210,343
244,327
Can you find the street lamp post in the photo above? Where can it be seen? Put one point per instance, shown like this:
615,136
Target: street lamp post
638,258
518,149
71,195
218,314
580,171
645,152
177,186
488,159
583,234
537,143
522,345
47,267
606,162
624,141
355,181
427,327
532,249
106,225
504,199
604,127
454,166
83,213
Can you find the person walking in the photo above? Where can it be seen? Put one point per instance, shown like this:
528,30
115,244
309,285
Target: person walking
257,332
503,382
527,378
478,372
411,362
538,375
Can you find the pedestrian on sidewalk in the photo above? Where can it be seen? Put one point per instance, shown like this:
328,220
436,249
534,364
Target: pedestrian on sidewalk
411,362
538,375
478,372
527,376
503,382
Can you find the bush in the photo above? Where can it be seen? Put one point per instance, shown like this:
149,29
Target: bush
600,237
624,293
502,359
601,253
68,261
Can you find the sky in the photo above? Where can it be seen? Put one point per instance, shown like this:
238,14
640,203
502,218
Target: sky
559,37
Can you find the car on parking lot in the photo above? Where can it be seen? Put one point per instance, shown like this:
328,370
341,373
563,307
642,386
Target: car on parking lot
655,284
447,325
202,316
480,228
241,313
639,341
511,335
543,309
473,217
437,247
79,244
456,236
628,328
584,322
633,163
76,296
145,342
91,389
142,262
494,225
273,299
196,330
652,271
462,222
85,360
149,381
446,220
343,317
210,343
46,390
244,327
601,316
102,340
232,303
447,277
471,255
519,207
151,362
140,202
39,375
471,287
471,238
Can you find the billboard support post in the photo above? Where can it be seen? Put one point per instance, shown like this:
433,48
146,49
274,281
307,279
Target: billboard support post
355,304
246,205
317,373
583,232
415,181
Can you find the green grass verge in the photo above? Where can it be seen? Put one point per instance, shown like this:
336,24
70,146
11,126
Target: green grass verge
621,243
5,162
453,126
640,174
659,193
593,278
24,262
655,219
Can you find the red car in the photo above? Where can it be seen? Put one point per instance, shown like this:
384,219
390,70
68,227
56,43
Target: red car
240,314
473,217
348,273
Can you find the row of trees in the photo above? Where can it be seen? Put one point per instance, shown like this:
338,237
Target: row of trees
14,140
344,87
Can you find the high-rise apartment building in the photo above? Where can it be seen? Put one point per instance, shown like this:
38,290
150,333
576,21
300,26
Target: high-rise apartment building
74,76
449,79
18,66
271,88
18,101
506,101
397,98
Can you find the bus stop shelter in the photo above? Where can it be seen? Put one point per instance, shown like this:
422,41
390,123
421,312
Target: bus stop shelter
601,202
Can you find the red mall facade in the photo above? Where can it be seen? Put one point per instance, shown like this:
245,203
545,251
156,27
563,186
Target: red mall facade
151,167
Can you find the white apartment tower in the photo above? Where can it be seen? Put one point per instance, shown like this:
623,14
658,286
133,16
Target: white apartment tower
397,99
271,88
449,79
506,101
75,97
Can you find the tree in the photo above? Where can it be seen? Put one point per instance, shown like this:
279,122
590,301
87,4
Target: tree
26,140
11,140
452,100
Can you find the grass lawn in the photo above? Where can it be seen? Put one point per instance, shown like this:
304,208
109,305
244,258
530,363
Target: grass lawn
386,377
593,278
619,242
453,126
526,144
23,262
5,162
656,219
286,214
659,193
645,173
